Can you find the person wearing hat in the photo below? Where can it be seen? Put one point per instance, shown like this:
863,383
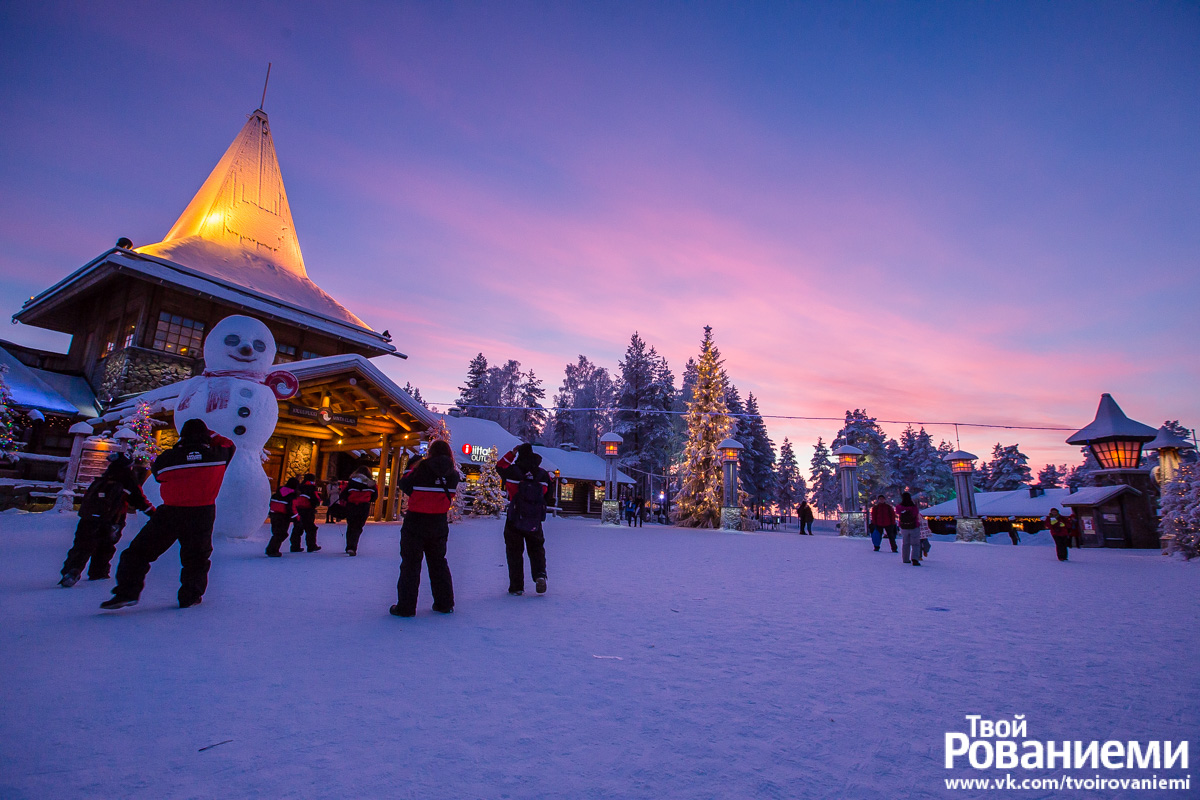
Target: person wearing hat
358,496
430,483
189,475
102,514
1061,532
527,485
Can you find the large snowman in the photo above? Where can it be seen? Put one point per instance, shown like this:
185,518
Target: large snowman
236,397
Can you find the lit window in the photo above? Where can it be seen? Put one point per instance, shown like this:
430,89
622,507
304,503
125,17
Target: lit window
176,334
129,336
566,492
598,493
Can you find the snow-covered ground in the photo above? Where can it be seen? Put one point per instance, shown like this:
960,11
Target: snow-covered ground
663,663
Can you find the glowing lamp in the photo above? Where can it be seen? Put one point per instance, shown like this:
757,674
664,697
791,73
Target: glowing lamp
848,456
961,462
609,443
1114,439
730,448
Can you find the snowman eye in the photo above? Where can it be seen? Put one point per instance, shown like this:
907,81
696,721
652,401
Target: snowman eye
232,340
260,345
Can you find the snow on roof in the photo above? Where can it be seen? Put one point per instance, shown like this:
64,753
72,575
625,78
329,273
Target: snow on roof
1016,503
577,464
74,389
1111,422
31,391
1168,439
1097,495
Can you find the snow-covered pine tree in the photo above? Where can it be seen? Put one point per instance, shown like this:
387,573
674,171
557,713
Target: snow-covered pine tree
1081,474
789,486
581,413
918,468
532,417
1050,476
760,463
645,391
489,491
143,448
1008,469
440,432
698,503
1181,510
874,465
981,477
8,419
825,490
942,482
472,395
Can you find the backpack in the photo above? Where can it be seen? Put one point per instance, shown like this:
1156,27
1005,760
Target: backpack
528,508
908,516
104,499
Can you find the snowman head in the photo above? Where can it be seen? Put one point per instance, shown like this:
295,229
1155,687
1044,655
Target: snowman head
239,343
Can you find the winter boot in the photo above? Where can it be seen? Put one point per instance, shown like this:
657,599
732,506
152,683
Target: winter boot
541,584
68,580
396,612
117,602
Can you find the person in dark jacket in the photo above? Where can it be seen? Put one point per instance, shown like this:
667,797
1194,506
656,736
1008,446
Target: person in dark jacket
281,515
190,476
910,529
521,470
304,507
357,497
102,514
430,483
883,520
1061,531
805,513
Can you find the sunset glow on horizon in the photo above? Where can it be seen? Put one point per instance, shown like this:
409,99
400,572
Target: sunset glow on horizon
956,213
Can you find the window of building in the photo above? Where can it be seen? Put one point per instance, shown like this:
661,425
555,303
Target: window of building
284,353
128,342
176,334
566,491
598,493
110,339
307,354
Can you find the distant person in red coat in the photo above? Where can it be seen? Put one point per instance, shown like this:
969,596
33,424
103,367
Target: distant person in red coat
190,476
1060,530
883,520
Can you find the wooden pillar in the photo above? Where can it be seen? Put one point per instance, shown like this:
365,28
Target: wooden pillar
384,455
393,503
316,455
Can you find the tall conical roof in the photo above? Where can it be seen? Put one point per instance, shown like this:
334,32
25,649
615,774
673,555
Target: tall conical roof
1111,423
239,227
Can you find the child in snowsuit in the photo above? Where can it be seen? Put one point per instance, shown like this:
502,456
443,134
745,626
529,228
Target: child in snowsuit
304,508
910,530
358,496
528,486
102,516
190,476
281,515
430,483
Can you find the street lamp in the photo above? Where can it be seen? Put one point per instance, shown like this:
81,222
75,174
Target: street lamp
730,452
610,512
968,526
1168,445
1116,442
847,456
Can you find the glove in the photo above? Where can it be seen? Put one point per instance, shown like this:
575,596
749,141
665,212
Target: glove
149,512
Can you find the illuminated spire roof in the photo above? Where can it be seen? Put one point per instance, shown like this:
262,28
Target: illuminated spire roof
239,227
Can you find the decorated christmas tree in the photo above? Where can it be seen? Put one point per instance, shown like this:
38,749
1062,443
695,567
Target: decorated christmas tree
440,432
143,448
698,504
8,420
1181,510
489,492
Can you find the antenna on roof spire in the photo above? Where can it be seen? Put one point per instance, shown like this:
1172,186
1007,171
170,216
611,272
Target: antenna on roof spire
264,97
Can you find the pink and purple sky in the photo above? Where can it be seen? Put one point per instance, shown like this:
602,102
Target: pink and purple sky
970,212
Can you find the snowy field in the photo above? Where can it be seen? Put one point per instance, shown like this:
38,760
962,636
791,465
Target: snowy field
663,663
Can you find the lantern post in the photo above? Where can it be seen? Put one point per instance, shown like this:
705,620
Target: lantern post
851,520
731,510
65,500
968,526
610,510
1116,442
1168,445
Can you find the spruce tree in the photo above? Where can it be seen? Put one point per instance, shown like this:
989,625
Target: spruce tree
1050,476
874,465
415,394
581,414
824,487
532,417
698,503
1181,510
758,457
471,396
789,486
644,395
1008,469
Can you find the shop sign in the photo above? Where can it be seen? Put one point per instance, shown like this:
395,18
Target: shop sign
322,415
478,453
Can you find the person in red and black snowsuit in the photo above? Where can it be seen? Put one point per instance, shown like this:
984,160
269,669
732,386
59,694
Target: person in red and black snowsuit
102,515
883,520
356,499
1060,529
528,487
281,515
304,510
190,476
430,484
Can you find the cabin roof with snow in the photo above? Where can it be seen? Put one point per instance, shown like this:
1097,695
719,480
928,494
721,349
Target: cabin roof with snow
1016,503
47,392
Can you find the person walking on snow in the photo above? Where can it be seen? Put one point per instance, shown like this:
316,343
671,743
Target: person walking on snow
430,483
805,513
528,486
305,504
910,529
102,514
280,515
883,518
357,498
1061,532
190,476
